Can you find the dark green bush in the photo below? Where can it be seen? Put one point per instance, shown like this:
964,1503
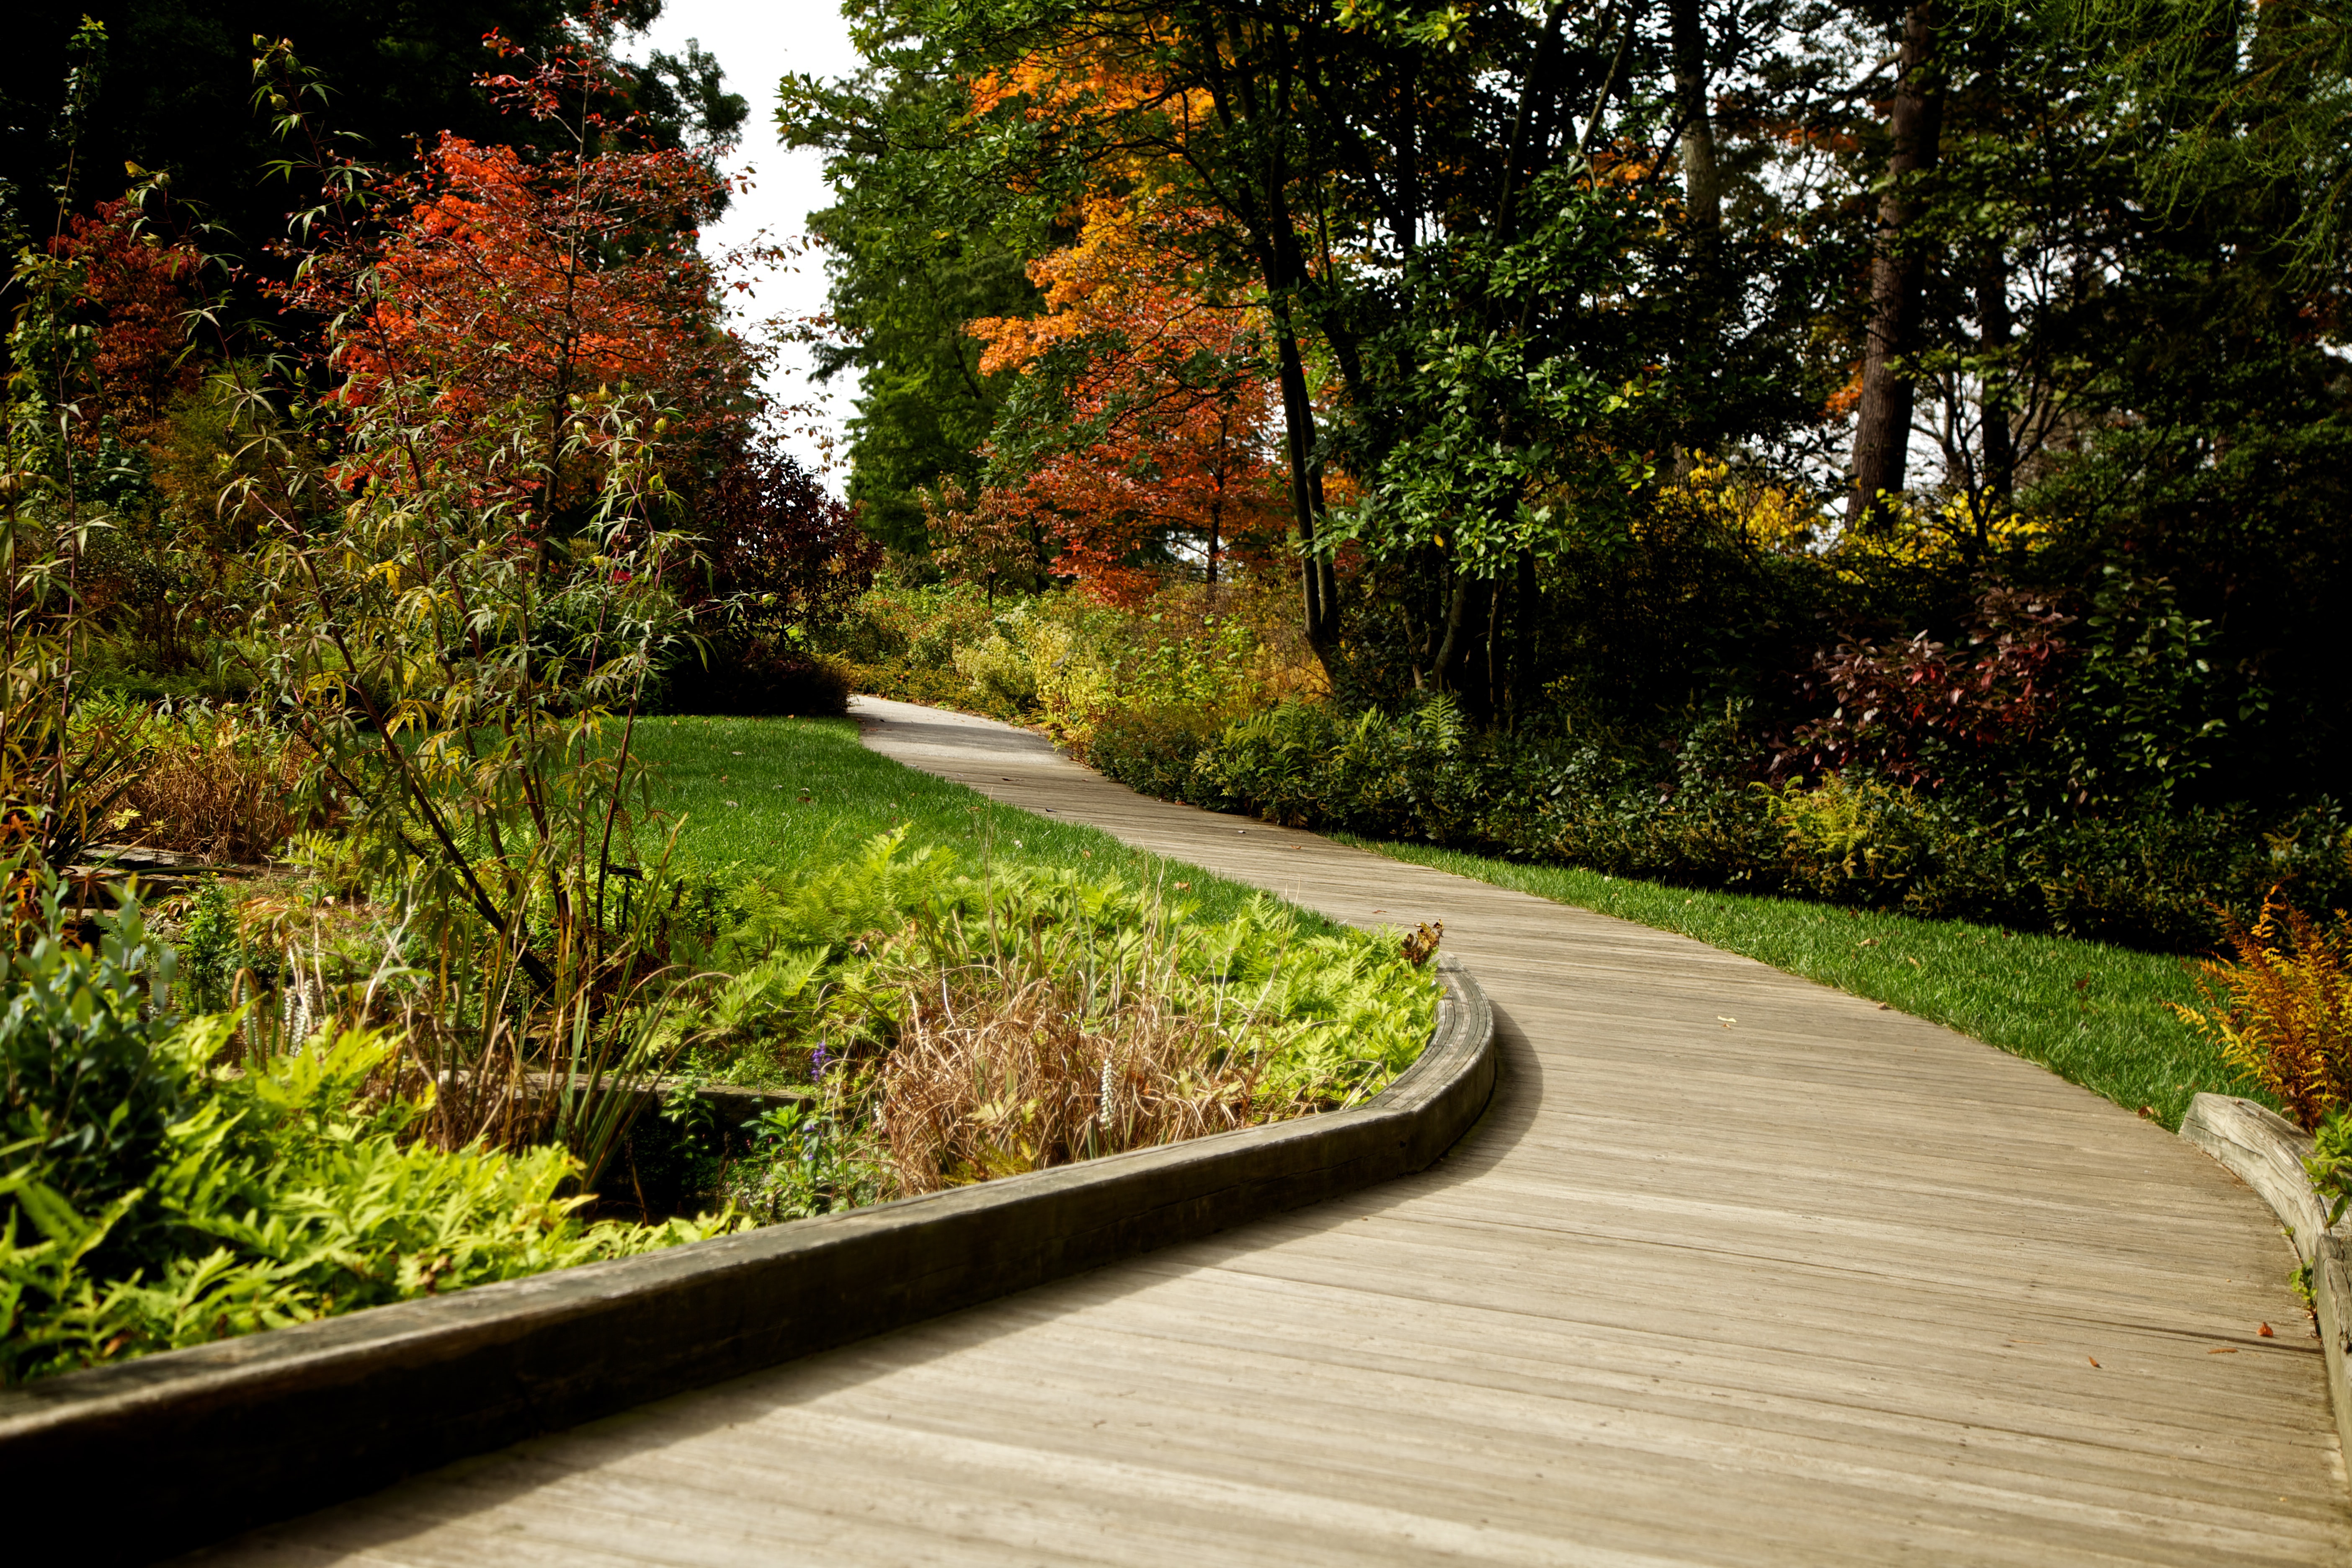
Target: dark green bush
2149,879
85,1096
758,677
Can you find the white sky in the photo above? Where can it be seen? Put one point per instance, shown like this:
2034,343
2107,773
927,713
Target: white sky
756,43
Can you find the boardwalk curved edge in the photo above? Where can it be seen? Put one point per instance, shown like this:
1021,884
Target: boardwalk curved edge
2266,1152
174,1450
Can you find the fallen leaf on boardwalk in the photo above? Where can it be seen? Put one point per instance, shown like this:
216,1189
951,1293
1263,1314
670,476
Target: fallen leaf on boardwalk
1886,1006
1726,1023
2092,1359
2265,1332
2226,1350
2148,1111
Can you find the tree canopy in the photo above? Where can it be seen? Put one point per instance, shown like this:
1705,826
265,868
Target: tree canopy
1608,363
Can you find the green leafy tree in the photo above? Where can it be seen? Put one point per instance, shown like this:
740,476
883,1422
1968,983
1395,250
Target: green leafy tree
924,237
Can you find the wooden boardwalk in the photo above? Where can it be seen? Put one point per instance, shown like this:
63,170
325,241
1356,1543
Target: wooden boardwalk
1736,1270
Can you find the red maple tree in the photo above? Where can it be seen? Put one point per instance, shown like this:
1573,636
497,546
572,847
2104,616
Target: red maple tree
136,290
491,280
1161,443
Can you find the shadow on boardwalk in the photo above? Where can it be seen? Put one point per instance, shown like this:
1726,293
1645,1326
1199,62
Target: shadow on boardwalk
1737,1271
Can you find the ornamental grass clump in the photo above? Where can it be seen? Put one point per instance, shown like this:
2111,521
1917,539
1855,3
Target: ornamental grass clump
217,784
2280,1010
1019,1066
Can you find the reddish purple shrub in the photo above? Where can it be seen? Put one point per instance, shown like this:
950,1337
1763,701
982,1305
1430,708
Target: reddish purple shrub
781,552
1899,704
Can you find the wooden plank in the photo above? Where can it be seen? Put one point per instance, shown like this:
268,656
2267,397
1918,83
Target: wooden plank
1822,1288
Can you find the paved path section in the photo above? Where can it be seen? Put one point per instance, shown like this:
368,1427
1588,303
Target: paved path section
1737,1271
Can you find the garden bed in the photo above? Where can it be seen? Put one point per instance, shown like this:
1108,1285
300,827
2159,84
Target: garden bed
227,1434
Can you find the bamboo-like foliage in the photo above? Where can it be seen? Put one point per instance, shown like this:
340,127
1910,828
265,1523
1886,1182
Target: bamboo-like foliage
460,613
60,780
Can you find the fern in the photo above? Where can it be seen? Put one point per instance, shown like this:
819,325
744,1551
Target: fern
2282,1011
282,1195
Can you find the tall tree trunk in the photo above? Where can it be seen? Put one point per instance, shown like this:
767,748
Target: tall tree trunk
1251,75
1318,586
1993,332
1701,196
1453,653
1525,661
1882,434
1702,181
1458,666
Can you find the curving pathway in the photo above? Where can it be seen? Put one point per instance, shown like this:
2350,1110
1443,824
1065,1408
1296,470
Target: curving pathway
1736,1270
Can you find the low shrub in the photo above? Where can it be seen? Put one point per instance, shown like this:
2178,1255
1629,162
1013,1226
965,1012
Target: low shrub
954,1026
1066,664
1155,747
2329,1166
151,1198
282,1195
899,639
1691,815
1857,839
757,677
86,1099
1219,653
998,672
1301,763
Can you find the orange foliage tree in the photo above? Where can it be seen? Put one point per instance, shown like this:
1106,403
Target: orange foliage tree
1153,438
136,290
492,282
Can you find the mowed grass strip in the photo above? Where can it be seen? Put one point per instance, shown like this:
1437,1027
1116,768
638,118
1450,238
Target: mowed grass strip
2093,1013
736,785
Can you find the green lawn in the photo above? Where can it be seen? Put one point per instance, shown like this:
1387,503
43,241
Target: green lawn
2093,1013
737,785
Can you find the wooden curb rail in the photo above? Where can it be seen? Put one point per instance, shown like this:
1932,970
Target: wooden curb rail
172,1450
2266,1152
